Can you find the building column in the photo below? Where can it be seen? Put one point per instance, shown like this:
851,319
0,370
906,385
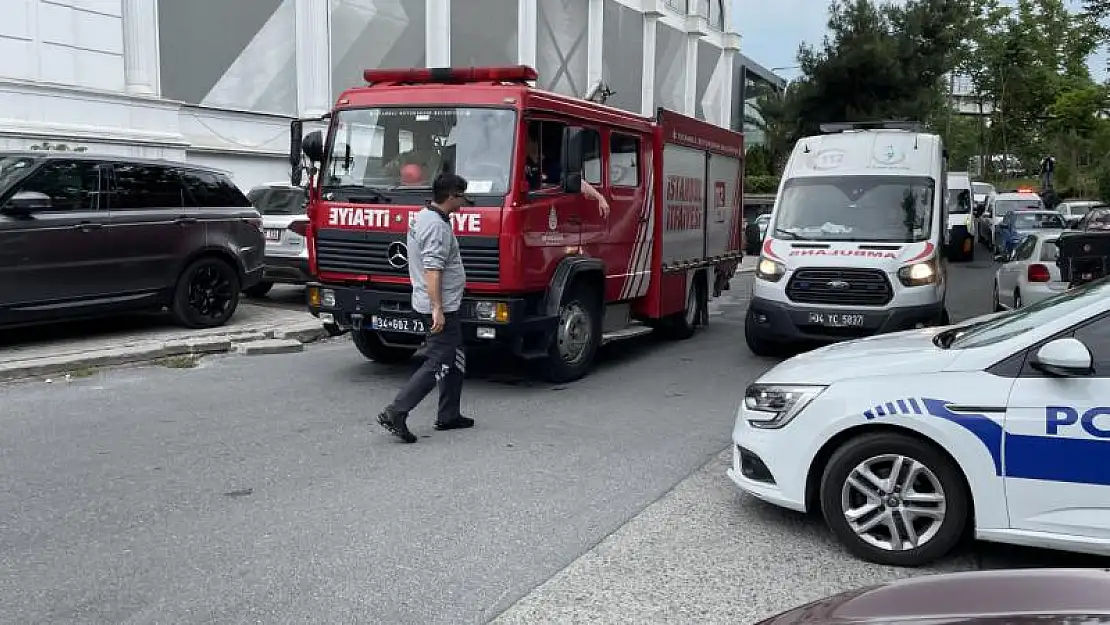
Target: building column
140,47
313,45
595,42
527,32
696,28
652,12
729,48
437,33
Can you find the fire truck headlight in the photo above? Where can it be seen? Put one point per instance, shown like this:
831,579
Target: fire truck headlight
769,270
492,311
327,298
772,406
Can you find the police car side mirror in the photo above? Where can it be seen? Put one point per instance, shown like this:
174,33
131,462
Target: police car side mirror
1065,358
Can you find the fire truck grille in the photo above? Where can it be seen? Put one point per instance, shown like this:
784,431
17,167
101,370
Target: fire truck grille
842,287
381,253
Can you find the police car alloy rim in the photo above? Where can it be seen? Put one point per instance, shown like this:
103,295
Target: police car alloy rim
893,502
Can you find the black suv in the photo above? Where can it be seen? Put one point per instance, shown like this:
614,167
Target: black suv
84,236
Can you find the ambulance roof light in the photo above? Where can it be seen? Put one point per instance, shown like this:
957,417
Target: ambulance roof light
513,73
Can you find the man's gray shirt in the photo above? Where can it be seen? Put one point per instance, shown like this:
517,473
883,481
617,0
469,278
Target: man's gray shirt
432,245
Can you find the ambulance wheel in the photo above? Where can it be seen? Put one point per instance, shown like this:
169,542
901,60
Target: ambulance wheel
757,344
370,345
892,499
684,324
577,336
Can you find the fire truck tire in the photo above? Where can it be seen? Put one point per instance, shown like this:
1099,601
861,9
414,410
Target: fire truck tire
370,345
577,337
683,325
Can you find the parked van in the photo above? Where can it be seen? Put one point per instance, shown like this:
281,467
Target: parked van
856,239
961,223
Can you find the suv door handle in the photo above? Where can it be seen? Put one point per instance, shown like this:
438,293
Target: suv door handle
86,226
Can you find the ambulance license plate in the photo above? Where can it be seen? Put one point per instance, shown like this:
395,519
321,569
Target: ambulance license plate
836,320
405,325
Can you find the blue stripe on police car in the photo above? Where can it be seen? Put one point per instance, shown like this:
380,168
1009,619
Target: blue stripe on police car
1051,457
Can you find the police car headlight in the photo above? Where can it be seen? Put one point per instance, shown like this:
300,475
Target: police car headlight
771,406
918,274
769,270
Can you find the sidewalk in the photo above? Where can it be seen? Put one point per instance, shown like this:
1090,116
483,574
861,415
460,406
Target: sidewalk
253,329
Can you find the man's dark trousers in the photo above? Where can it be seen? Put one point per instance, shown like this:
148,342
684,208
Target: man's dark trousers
444,366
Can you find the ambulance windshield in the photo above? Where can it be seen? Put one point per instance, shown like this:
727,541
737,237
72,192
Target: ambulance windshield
895,209
403,149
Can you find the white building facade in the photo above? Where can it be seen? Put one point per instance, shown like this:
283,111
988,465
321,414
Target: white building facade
216,82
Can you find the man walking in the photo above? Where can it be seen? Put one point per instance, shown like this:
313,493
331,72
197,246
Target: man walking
438,278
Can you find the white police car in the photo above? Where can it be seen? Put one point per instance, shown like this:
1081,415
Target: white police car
999,425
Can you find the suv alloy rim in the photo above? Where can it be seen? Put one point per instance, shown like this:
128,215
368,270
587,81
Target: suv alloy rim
893,502
210,292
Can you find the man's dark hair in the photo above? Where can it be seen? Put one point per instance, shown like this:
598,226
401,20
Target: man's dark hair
446,185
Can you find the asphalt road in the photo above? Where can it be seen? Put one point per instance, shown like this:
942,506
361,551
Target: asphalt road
254,490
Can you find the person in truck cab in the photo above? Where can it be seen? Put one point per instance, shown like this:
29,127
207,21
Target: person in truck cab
541,170
423,155
438,278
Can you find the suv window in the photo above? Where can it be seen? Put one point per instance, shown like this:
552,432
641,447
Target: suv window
139,186
70,185
213,190
278,201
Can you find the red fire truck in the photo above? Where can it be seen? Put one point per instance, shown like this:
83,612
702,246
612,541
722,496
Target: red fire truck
551,276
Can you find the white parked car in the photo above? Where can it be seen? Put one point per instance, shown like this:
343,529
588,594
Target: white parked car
999,425
1074,210
284,222
1030,273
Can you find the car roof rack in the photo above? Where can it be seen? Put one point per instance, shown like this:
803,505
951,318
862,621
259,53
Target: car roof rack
908,126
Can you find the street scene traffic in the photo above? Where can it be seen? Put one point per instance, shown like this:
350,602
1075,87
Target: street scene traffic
472,343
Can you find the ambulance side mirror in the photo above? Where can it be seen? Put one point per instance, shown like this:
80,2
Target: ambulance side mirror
1065,358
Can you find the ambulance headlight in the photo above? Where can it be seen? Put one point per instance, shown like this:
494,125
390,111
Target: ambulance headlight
918,274
771,406
769,270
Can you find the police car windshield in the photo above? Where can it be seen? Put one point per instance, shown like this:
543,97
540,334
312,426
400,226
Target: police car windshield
897,209
1029,317
404,148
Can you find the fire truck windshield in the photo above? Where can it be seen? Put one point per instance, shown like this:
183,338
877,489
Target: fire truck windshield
399,149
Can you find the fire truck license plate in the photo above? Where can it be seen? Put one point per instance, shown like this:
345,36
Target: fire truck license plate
836,320
398,324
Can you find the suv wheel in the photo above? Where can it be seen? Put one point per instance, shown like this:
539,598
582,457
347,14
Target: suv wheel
207,293
890,499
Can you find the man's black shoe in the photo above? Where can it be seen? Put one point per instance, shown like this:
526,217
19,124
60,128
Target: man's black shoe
396,426
460,423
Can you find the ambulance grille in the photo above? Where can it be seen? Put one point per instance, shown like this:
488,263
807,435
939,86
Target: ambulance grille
841,287
367,253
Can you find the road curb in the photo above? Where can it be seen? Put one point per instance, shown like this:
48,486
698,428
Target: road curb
290,339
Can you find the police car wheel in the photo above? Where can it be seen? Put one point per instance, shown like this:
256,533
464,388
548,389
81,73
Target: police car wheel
894,500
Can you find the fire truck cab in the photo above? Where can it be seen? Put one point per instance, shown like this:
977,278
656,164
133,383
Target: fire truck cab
550,275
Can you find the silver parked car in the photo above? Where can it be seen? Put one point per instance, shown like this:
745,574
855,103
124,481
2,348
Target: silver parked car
284,222
1074,210
1029,274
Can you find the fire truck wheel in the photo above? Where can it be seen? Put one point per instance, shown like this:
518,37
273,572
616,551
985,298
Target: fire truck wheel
577,336
683,325
370,345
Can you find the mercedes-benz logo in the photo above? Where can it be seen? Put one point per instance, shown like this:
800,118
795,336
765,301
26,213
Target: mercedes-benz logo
398,255
837,285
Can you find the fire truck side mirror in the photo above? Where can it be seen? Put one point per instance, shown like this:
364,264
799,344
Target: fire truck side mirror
572,183
296,130
572,152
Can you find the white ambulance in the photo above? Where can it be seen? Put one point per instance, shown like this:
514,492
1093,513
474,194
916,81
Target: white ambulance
856,240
